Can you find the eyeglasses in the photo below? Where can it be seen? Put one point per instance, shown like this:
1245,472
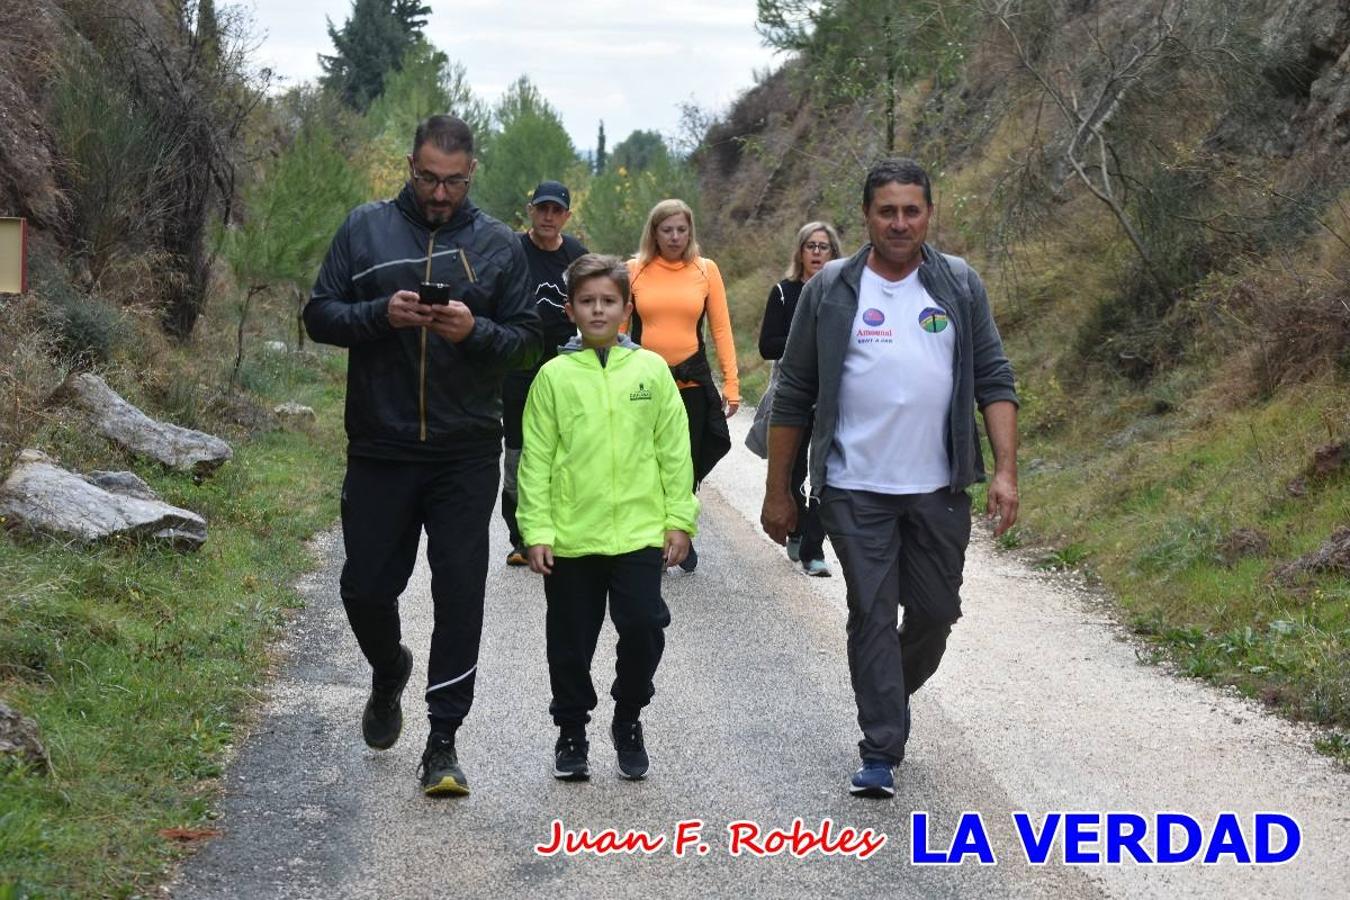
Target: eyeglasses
431,182
813,247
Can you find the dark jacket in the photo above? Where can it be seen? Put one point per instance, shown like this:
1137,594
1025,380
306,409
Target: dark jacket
813,363
411,394
778,310
716,432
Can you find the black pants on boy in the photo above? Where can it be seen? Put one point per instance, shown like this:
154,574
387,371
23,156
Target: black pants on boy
809,527
576,593
385,506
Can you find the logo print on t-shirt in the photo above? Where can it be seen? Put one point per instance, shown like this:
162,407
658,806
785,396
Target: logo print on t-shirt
874,317
933,320
550,293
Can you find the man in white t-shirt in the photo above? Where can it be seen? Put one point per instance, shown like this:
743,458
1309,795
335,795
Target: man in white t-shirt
894,349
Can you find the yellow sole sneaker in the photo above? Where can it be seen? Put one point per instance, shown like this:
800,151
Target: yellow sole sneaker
447,786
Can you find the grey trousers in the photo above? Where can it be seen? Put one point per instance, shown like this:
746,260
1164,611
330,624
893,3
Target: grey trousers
896,551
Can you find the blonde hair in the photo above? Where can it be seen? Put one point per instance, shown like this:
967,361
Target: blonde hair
794,269
647,248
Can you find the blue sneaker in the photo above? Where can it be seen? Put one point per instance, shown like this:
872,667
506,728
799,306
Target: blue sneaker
876,779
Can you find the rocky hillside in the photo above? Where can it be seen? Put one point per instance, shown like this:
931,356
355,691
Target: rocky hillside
29,41
1158,196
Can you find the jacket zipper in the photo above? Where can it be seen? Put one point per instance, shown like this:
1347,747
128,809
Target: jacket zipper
953,410
613,454
422,380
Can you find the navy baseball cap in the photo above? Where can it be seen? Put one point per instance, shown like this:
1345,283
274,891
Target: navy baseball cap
552,192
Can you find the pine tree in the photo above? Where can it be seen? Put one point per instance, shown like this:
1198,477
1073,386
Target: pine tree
207,33
600,150
860,48
640,150
370,44
529,145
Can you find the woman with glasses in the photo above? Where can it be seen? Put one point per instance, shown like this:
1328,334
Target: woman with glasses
817,243
674,289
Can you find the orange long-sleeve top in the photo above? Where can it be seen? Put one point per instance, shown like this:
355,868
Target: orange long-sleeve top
670,297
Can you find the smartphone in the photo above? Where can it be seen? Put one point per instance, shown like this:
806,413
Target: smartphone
433,294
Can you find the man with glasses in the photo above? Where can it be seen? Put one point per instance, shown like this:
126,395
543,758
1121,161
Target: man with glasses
431,298
549,253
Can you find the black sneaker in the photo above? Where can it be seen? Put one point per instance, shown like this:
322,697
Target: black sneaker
633,762
690,562
382,721
569,758
440,772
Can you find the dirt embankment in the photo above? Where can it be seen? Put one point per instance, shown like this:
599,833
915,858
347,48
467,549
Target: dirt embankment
29,39
773,158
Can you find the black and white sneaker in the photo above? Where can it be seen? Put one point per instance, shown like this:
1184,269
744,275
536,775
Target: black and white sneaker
632,752
689,563
817,568
569,758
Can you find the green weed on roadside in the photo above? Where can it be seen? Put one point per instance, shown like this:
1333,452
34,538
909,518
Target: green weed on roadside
137,662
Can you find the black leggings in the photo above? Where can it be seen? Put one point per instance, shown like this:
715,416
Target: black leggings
696,407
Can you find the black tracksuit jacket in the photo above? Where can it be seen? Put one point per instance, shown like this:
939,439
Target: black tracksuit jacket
412,395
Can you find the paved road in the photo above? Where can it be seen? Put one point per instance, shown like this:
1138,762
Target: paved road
1040,706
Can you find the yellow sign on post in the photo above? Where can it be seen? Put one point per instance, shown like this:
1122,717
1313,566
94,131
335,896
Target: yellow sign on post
13,255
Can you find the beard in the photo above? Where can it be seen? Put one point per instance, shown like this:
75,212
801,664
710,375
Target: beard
437,214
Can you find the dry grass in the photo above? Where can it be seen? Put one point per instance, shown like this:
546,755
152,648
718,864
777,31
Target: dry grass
28,376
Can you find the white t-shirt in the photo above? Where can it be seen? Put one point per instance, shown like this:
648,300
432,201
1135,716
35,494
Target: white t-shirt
896,392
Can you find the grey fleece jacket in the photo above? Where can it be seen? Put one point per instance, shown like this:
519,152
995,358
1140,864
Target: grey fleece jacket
813,363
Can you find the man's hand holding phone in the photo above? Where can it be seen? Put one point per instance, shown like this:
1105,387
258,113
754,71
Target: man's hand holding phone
430,306
453,321
407,311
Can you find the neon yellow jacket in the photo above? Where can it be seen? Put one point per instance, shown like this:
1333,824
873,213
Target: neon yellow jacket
605,468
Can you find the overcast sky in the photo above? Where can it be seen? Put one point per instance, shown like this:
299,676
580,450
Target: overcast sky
630,64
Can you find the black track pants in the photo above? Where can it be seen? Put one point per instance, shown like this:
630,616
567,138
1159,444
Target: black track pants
385,506
576,593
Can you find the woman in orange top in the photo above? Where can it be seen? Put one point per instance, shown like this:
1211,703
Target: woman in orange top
674,289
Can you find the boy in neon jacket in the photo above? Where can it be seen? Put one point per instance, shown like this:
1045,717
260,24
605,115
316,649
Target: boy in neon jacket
606,503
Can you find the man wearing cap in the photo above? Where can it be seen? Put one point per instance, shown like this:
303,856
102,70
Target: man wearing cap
549,253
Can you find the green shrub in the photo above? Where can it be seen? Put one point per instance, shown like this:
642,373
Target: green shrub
84,329
116,154
86,332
